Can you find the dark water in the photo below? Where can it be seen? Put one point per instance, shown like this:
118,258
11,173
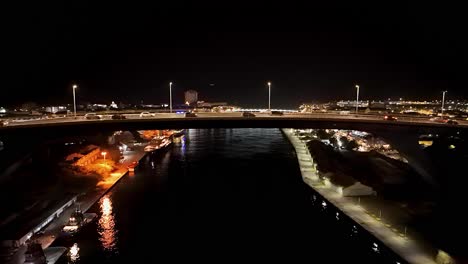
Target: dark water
224,195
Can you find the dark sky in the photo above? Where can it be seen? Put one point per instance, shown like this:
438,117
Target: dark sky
130,51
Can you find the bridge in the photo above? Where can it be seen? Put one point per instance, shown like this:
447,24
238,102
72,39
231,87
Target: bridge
403,134
370,123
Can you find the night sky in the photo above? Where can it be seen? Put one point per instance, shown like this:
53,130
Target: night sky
129,52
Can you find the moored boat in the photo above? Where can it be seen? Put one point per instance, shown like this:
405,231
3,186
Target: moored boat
77,220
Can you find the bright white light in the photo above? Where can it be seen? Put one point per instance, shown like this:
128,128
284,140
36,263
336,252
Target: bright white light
74,252
324,205
375,247
75,86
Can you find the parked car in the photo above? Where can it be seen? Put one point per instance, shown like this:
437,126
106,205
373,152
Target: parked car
276,113
146,114
248,114
190,114
92,116
118,116
390,118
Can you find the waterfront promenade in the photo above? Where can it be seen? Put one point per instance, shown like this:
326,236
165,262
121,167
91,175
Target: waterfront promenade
408,248
85,200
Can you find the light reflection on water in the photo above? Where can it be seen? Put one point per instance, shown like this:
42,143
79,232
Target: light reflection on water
107,231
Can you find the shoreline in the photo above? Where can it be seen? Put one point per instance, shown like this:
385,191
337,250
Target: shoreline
410,250
86,201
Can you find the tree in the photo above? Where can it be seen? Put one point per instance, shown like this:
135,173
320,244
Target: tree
322,134
344,142
333,141
352,145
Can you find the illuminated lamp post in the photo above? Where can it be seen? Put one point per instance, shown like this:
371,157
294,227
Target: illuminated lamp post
443,101
74,99
269,96
357,98
170,97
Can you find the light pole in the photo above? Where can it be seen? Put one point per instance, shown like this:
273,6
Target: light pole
170,97
269,96
74,99
443,100
104,155
357,98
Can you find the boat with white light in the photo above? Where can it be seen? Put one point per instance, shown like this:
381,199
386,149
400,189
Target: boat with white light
77,220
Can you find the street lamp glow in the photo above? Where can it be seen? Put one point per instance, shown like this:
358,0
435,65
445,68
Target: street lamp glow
104,155
170,97
74,99
443,101
269,96
357,98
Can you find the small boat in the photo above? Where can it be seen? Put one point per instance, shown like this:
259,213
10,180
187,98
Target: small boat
34,254
158,143
77,220
132,166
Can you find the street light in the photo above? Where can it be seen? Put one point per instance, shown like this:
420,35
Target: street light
269,96
170,96
104,155
74,99
357,98
443,100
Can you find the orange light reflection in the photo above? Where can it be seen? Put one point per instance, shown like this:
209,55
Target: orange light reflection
106,229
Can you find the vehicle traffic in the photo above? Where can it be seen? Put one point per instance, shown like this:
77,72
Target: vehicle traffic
390,118
451,122
276,113
118,116
92,116
146,114
248,114
190,114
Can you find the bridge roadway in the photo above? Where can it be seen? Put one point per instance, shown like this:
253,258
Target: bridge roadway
369,123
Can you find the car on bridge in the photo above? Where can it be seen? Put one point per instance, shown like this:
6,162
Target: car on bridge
118,116
440,119
190,114
92,116
248,114
451,122
146,114
276,113
390,118
3,123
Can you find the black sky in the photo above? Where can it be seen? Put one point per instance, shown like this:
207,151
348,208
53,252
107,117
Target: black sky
130,51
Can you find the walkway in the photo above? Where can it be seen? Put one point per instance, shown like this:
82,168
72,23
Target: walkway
409,249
